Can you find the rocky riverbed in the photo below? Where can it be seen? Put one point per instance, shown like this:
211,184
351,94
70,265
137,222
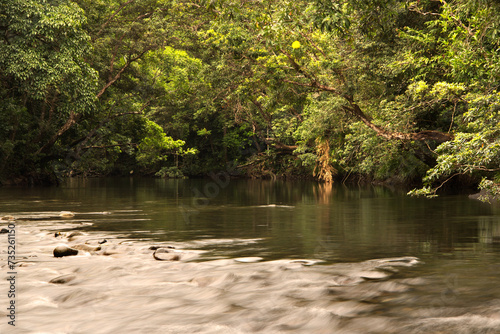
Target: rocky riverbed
109,283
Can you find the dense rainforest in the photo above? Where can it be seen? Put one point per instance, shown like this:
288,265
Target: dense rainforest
399,91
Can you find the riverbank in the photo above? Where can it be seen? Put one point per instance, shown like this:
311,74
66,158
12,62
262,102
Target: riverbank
122,287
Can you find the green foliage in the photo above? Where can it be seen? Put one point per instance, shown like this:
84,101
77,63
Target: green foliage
45,82
204,132
170,172
491,189
365,154
475,151
156,145
283,87
43,51
331,15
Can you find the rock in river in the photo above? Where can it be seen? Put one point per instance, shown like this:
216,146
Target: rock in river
64,250
87,248
62,279
66,214
163,254
74,235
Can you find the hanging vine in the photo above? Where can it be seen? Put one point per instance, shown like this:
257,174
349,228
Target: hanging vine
324,170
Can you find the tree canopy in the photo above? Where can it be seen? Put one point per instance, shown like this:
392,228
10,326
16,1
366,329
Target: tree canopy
404,91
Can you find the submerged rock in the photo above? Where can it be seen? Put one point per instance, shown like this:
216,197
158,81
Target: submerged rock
109,252
251,259
62,279
163,254
306,262
74,235
66,214
373,274
95,242
4,230
158,247
87,248
64,250
71,236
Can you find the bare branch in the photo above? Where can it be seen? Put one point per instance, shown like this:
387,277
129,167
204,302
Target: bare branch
353,109
105,121
117,76
457,20
280,146
314,85
108,146
312,43
444,182
72,119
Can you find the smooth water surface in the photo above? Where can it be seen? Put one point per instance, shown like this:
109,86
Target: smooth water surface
455,287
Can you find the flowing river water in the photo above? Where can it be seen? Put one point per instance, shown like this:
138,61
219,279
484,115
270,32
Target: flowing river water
246,256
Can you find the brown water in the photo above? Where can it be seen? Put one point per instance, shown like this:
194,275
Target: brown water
255,256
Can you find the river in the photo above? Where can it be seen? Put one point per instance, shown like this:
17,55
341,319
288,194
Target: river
247,256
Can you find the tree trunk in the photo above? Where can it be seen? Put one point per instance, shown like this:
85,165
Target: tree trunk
280,146
354,110
437,136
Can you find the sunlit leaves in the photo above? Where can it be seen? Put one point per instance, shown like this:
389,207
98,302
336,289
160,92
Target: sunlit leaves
440,91
476,151
156,145
331,15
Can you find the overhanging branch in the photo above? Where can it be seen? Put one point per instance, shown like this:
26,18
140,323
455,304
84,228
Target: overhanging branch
119,73
353,109
280,146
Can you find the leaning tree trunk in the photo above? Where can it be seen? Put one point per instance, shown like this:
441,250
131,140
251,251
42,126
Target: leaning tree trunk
353,109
